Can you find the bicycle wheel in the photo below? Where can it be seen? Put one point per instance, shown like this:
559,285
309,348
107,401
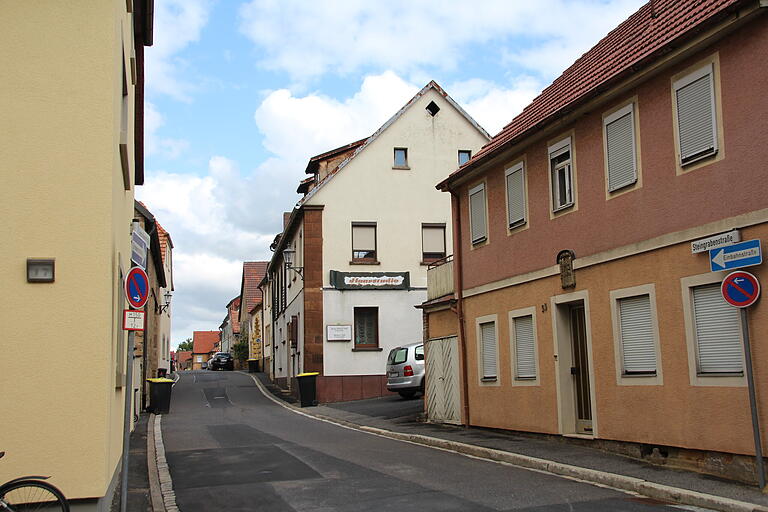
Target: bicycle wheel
33,496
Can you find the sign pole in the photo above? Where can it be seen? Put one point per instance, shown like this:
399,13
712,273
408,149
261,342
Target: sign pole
127,422
752,400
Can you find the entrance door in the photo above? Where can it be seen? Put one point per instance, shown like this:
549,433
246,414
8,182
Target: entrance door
580,370
442,380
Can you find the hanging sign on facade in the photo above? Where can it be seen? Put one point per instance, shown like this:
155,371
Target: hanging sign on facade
740,289
338,332
715,242
743,254
370,280
137,287
133,320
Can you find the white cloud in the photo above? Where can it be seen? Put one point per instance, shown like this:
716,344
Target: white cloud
178,23
153,143
309,39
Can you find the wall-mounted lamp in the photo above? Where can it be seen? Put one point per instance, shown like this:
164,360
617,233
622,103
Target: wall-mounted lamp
41,270
167,297
288,257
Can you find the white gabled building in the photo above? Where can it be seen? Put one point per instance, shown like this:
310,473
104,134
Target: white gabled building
359,242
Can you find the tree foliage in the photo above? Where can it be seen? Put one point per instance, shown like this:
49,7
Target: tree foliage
240,350
185,345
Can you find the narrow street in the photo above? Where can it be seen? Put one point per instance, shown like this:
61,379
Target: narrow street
231,448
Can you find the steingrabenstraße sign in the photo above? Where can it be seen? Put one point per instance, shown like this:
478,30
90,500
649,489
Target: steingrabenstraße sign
370,280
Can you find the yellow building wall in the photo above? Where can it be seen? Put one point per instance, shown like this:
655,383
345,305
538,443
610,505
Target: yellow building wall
63,197
675,413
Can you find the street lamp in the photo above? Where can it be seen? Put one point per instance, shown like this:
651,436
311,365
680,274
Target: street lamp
288,257
167,296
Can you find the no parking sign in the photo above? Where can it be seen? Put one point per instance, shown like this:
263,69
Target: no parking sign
740,289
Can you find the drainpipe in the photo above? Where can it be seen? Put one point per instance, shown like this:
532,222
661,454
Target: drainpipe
458,285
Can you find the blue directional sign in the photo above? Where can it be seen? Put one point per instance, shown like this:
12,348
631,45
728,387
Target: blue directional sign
742,254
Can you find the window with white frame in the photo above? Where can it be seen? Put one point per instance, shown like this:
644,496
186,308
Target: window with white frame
718,332
364,242
561,174
515,178
620,148
488,350
525,347
636,331
432,242
694,97
477,224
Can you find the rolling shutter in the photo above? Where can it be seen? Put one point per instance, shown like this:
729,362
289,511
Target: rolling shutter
696,115
637,339
718,332
620,146
488,348
477,213
516,195
364,238
525,350
433,239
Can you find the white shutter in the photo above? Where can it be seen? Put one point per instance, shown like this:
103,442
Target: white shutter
696,115
620,146
516,194
637,339
718,332
477,213
525,350
488,348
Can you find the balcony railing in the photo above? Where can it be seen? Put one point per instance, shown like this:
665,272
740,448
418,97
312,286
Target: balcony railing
440,278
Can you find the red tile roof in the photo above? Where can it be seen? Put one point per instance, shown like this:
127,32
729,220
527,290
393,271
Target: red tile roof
315,160
253,273
165,240
234,314
203,342
656,28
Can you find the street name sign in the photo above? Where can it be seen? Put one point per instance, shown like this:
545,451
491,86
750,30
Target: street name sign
742,254
139,245
740,289
133,320
715,242
137,287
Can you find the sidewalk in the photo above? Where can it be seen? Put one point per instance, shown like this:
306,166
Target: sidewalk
138,474
558,456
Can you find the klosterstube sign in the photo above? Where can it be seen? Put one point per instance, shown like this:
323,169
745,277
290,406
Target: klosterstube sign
370,280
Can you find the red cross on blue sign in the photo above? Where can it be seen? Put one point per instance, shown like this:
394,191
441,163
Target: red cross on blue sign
740,289
137,287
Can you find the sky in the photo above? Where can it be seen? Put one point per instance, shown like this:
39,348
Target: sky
240,94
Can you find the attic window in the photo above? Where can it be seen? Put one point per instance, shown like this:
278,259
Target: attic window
433,109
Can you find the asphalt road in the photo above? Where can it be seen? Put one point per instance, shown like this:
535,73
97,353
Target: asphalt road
229,448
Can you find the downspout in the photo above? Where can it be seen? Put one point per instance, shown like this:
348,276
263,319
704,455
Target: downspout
458,284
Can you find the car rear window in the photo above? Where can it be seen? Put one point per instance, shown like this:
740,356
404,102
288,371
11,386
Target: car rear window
397,356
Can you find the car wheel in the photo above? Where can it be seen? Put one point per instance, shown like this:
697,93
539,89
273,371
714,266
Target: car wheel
406,394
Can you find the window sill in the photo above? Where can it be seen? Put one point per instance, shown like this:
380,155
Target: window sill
372,349
489,379
401,167
364,262
563,208
479,241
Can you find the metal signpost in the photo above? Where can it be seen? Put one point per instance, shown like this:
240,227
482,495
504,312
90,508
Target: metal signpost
741,289
742,254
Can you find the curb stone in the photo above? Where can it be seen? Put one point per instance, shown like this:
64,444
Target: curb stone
622,482
155,492
168,503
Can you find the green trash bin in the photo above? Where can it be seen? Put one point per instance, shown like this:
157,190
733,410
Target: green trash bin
307,388
253,365
160,395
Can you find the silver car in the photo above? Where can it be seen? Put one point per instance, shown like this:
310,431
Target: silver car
405,370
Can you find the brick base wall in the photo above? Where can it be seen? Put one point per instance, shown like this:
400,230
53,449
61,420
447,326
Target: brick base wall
351,387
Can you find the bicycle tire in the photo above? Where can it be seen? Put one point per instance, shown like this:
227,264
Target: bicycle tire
33,496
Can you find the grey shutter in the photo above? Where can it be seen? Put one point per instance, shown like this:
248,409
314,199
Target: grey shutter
637,339
525,350
696,118
477,214
488,348
620,145
718,328
516,196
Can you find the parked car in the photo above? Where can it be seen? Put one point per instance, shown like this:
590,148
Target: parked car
405,370
221,361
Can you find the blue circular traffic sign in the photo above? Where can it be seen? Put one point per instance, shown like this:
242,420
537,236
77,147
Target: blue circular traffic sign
740,289
137,287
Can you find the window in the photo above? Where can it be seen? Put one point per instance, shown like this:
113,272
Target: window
364,242
694,97
718,332
488,350
464,156
561,174
515,178
477,213
366,327
432,242
636,331
525,347
433,109
418,353
621,153
401,158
